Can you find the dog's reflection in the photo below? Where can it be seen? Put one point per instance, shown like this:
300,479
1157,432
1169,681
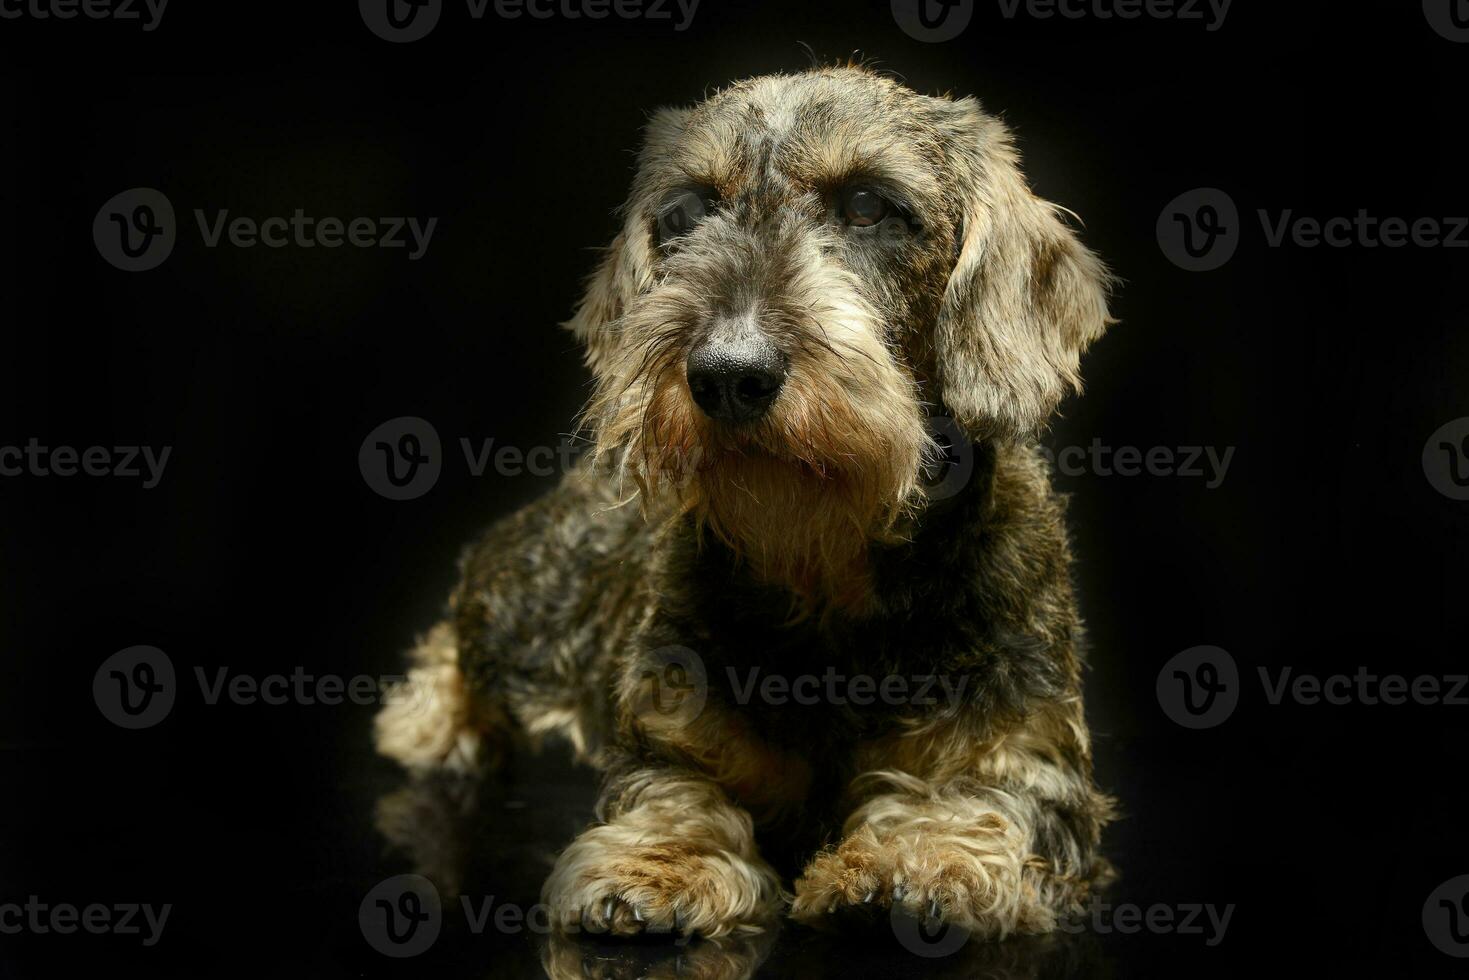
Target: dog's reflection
883,952
440,823
430,820
731,958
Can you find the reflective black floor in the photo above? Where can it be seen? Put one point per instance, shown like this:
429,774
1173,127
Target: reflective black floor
285,855
486,847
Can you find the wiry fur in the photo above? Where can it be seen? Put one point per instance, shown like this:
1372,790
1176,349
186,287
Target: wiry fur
426,722
807,541
801,492
672,854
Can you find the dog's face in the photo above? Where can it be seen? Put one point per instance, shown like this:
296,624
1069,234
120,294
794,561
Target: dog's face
811,267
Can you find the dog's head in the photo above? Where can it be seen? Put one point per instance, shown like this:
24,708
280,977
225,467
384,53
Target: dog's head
813,266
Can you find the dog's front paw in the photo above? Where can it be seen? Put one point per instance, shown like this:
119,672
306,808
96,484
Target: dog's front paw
604,883
971,878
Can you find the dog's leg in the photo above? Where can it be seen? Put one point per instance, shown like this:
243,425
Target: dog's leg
673,855
995,836
428,720
546,599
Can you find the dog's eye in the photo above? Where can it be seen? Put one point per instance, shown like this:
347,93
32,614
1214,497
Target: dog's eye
863,208
682,212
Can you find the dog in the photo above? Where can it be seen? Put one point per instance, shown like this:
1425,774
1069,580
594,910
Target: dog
818,275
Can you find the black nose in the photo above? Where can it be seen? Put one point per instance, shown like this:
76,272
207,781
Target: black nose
736,380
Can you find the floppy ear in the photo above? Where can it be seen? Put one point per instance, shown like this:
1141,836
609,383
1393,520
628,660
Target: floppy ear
1025,298
627,264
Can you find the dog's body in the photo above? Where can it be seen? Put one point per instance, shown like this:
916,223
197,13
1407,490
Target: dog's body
790,638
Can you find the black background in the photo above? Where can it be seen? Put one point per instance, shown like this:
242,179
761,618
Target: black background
264,550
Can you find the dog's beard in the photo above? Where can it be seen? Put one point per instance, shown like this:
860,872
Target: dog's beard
801,494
